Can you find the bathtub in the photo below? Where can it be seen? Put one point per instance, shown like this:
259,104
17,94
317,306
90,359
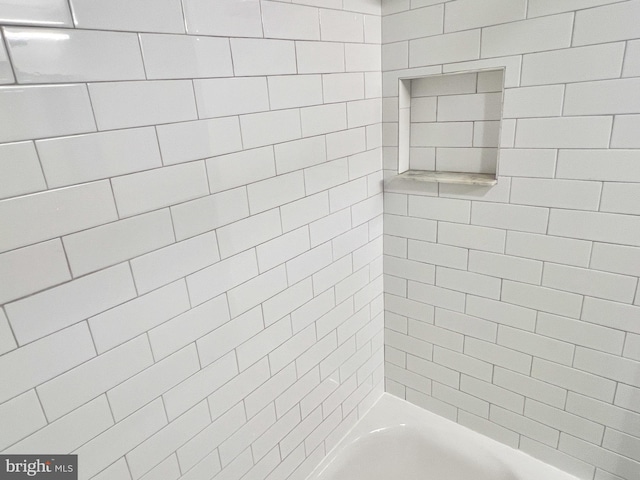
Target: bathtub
397,440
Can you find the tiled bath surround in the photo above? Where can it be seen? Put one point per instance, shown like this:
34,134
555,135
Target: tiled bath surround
515,309
190,233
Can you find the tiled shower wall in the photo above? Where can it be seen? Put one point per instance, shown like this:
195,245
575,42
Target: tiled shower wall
515,309
190,233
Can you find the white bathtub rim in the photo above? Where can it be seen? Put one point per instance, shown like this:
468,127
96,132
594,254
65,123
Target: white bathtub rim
389,411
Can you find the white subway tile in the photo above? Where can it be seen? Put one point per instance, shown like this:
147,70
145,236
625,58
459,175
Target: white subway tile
434,253
542,298
365,112
632,59
210,212
168,264
605,227
292,349
70,303
613,366
363,58
546,33
479,106
286,301
229,335
247,233
611,314
627,397
439,297
263,57
448,48
185,141
112,243
122,437
17,267
150,453
241,439
135,317
223,18
171,336
467,325
261,345
70,431
280,20
219,97
256,290
7,342
211,437
366,163
471,236
503,266
198,386
609,96
40,361
74,388
439,209
558,193
125,15
622,443
119,469
224,173
325,176
309,262
546,7
261,129
536,345
606,24
573,64
82,158
142,192
501,312
295,91
342,87
58,56
566,132
20,171
544,247
492,393
528,163
416,23
624,130
320,57
323,119
525,426
372,29
220,277
545,101
300,154
181,56
21,417
449,134
498,355
45,111
337,26
132,104
276,191
619,198
590,282
512,217
565,422
37,12
329,227
283,248
466,14
604,413
616,258
598,456
580,333
208,465
304,211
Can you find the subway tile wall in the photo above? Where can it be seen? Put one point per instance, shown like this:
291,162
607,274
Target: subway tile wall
515,310
190,233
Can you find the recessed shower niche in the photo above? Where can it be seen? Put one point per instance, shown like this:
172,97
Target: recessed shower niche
449,128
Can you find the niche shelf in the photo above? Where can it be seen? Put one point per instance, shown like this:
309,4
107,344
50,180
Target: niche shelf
449,129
